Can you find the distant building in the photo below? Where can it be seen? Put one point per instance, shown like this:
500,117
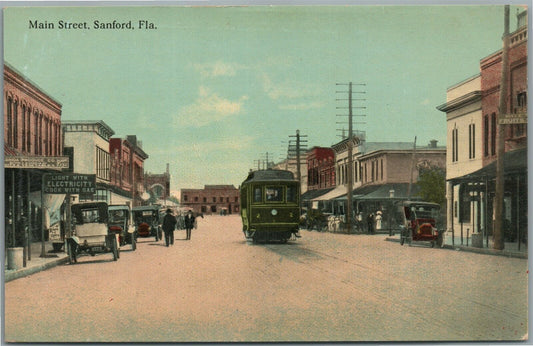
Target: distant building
89,143
212,199
126,175
158,185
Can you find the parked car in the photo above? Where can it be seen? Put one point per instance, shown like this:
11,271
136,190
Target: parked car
147,221
91,233
420,223
120,222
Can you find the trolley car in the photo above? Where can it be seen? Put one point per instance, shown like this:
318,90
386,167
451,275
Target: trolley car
270,205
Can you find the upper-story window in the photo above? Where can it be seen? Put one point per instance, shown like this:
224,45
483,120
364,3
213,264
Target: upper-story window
455,144
472,141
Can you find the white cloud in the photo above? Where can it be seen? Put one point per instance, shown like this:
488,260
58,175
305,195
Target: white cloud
303,106
217,69
224,145
208,108
287,89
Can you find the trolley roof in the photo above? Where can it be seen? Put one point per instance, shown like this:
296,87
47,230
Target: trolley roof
270,175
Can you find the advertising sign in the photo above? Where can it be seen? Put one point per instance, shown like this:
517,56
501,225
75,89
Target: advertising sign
37,162
69,183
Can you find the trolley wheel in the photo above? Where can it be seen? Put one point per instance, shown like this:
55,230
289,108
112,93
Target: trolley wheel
114,248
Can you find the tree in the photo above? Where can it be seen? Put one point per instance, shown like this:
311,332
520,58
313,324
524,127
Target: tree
432,183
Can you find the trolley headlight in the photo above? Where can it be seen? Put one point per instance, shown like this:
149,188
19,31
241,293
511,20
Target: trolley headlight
274,212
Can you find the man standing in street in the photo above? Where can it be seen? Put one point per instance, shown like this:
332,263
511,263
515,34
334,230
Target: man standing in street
189,223
169,224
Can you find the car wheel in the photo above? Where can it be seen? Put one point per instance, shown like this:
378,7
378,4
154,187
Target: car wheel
114,248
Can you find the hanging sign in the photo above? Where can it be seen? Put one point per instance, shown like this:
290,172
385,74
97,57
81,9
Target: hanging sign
58,183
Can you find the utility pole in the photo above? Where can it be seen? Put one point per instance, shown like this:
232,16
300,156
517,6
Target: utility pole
413,158
500,139
349,185
295,148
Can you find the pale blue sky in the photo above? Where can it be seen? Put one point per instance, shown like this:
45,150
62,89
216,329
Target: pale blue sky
214,88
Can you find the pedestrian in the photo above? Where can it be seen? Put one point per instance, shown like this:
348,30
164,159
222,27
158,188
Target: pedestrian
379,218
189,223
169,224
370,223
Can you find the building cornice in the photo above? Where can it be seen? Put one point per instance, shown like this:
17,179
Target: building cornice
462,101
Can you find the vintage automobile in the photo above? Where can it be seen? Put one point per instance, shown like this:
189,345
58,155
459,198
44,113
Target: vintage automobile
420,223
147,221
91,233
120,222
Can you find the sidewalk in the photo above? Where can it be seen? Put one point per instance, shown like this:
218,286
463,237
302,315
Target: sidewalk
37,263
510,249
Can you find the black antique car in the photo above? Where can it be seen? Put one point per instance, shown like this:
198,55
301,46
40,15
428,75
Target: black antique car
120,222
147,220
91,233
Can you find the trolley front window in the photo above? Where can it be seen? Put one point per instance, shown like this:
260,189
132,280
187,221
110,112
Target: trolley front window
258,196
291,193
274,193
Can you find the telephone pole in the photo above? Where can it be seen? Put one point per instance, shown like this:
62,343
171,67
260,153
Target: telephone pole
349,185
294,151
500,139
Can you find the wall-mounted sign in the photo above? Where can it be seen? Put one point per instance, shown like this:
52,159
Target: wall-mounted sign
63,183
515,118
37,162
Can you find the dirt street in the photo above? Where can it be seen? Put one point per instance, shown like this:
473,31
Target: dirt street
322,287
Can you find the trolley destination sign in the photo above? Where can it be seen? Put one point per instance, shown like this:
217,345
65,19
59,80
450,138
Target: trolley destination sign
64,183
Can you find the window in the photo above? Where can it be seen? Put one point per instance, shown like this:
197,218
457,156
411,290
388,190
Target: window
486,135
15,125
472,141
291,193
185,198
274,193
205,199
236,199
455,142
493,134
23,127
196,198
214,199
9,121
221,199
102,163
258,194
381,169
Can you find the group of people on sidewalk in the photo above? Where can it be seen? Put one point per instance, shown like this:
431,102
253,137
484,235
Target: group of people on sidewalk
169,225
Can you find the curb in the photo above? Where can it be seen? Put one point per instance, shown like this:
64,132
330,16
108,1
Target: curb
482,251
10,275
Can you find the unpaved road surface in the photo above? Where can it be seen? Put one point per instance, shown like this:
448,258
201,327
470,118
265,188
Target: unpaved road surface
323,287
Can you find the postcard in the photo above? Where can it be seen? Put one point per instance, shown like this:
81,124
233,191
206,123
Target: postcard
265,173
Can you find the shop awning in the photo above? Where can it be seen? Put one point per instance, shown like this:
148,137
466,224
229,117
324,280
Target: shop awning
514,162
310,194
336,192
384,191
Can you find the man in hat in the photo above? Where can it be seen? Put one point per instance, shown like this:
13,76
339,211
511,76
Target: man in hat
169,224
189,223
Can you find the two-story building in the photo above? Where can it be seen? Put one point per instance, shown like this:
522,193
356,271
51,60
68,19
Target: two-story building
32,147
212,199
119,177
472,113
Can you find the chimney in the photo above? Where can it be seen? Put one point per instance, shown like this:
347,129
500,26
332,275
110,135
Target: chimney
433,143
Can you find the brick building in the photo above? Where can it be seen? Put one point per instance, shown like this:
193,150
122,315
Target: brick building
32,147
320,168
472,112
212,199
126,168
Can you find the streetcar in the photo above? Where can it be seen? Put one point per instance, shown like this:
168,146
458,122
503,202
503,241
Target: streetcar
270,206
